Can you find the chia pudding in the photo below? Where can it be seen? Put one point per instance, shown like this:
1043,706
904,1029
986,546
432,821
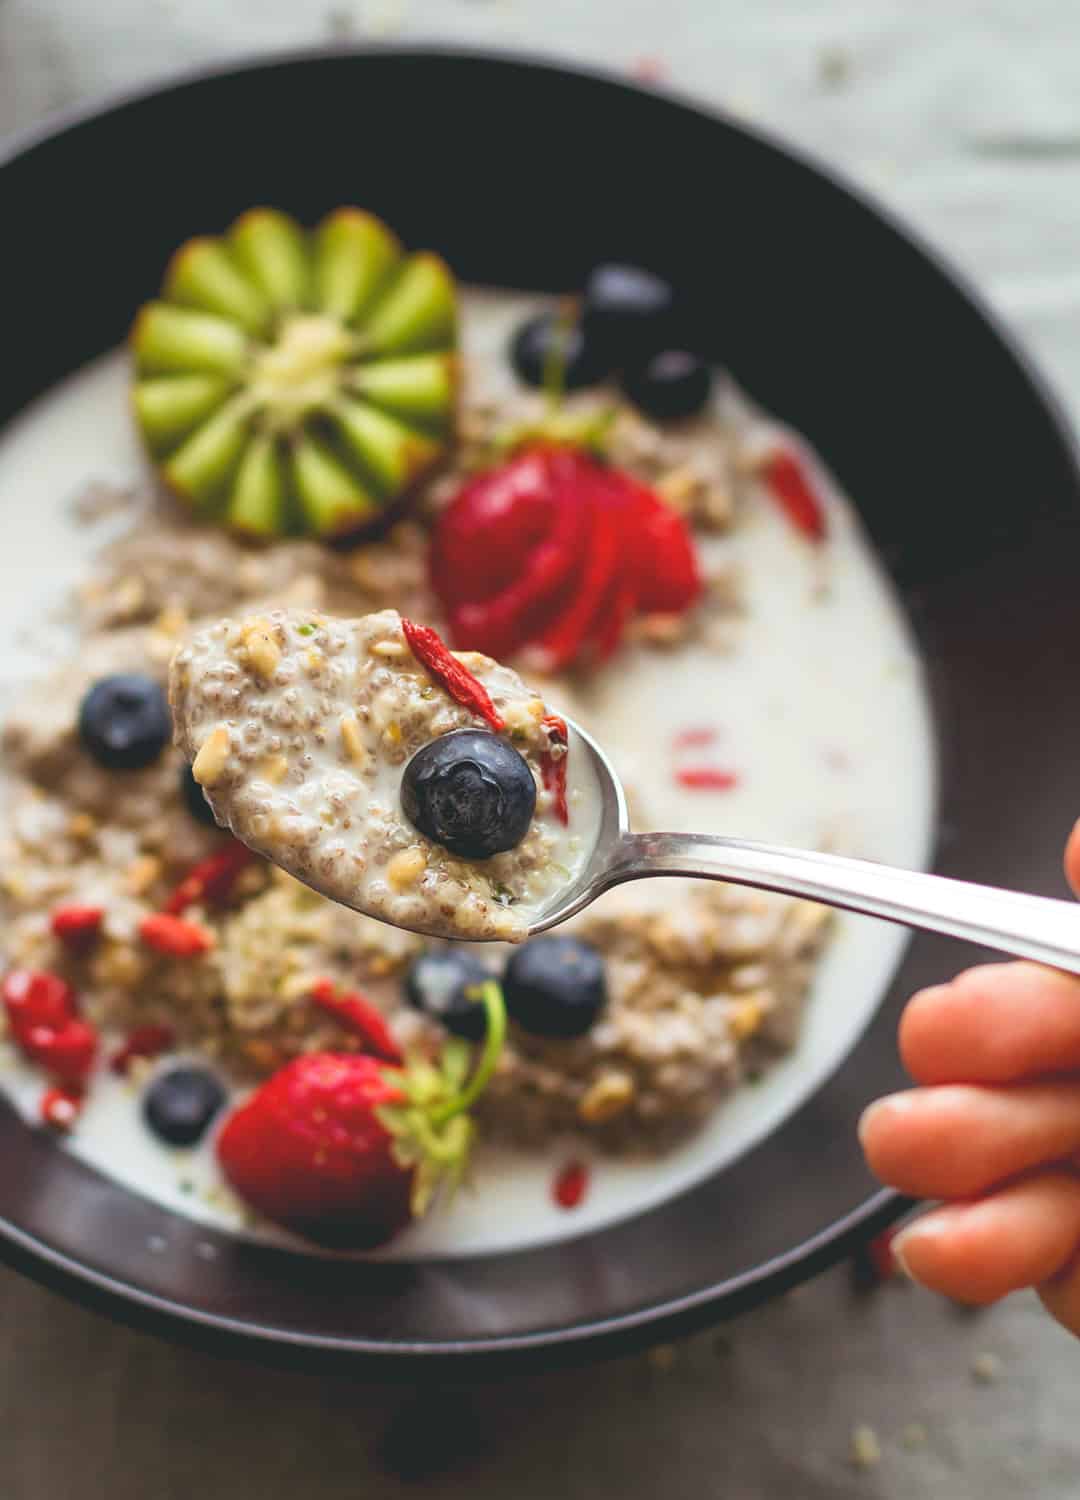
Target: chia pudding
299,726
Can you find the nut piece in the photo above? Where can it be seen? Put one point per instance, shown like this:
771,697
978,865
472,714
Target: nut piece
273,769
352,739
608,1097
746,1018
406,867
209,765
262,650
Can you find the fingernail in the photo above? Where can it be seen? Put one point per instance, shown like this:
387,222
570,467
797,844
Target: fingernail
897,1248
865,1119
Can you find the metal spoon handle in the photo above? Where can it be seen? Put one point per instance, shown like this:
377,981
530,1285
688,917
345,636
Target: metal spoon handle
1036,927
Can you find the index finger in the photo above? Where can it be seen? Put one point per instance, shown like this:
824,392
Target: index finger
999,1023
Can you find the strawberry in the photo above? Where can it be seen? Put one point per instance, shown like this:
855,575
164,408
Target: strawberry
557,550
347,1150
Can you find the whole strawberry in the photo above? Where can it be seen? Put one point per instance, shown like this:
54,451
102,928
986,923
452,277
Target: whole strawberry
346,1149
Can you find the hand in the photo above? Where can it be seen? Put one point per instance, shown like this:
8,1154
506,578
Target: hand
993,1129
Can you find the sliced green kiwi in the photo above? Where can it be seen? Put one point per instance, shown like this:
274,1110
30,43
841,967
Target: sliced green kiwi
296,381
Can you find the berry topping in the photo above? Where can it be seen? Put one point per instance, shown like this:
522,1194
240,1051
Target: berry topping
671,385
60,1107
145,1041
45,1025
471,792
347,1150
124,722
179,1104
556,551
291,381
211,881
444,985
555,987
570,1185
628,312
195,798
546,347
358,1016
174,937
77,927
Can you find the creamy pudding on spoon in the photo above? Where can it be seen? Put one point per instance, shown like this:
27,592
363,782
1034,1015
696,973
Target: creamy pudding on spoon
430,789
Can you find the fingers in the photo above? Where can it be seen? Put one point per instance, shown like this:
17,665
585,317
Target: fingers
1000,1023
1061,1296
1072,859
1024,1235
958,1140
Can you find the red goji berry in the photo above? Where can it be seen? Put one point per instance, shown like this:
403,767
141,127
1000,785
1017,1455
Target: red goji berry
144,1041
359,1016
174,937
60,1107
67,1051
706,778
211,880
34,997
433,654
785,475
77,926
553,764
695,737
570,1185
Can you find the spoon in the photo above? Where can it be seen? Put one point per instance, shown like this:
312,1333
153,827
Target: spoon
1036,927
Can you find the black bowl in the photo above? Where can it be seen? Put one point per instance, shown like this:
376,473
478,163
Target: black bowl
835,319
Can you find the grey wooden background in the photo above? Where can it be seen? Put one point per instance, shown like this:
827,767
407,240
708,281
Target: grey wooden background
965,116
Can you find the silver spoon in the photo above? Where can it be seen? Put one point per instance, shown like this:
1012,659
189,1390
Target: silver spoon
1036,927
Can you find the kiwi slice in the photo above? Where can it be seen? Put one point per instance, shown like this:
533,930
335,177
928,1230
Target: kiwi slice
296,382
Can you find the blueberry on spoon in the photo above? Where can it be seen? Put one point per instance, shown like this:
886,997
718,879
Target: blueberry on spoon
471,792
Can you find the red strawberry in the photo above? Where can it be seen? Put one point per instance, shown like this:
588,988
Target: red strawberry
668,579
346,1149
308,1150
511,508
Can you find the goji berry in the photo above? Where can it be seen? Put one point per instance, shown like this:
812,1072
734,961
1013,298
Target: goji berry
211,880
67,1051
706,778
60,1107
359,1016
787,479
174,937
77,926
433,654
34,997
144,1041
570,1185
553,764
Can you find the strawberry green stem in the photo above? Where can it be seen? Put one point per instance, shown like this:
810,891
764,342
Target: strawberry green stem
554,371
491,995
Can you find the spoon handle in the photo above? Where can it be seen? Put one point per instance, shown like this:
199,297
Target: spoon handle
1037,927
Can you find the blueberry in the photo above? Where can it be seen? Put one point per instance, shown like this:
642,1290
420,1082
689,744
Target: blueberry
124,721
471,792
534,343
554,986
195,798
672,384
628,313
437,983
180,1104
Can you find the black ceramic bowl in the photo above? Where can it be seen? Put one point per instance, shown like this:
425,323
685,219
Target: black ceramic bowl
835,319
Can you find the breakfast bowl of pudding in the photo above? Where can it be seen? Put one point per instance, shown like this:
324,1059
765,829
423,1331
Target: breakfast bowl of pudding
350,493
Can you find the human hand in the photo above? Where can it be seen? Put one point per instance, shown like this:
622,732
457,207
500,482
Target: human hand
993,1130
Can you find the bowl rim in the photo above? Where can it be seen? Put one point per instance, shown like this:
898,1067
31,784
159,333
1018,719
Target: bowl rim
608,1335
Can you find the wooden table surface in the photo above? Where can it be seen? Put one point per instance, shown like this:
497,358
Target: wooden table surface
965,117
